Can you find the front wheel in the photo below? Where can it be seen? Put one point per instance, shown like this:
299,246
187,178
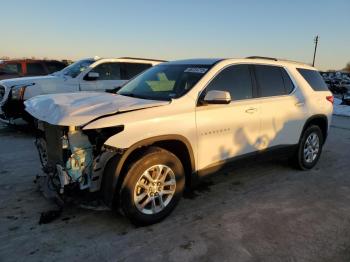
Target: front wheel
309,148
153,186
41,146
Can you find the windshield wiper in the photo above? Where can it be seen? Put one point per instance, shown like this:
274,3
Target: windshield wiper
127,94
137,96
113,90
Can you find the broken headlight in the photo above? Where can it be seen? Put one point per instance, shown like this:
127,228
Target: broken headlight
17,92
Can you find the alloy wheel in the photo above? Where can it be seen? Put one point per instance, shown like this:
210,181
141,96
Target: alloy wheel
154,189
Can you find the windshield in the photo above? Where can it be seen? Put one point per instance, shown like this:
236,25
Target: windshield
76,68
164,82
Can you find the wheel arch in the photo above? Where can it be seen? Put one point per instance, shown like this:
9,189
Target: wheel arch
117,167
319,120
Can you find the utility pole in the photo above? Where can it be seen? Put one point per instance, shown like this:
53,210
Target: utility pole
316,42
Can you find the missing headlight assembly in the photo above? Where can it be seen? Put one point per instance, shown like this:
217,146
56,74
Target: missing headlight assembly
73,158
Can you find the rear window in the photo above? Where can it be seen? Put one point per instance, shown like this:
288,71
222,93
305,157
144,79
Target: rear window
314,79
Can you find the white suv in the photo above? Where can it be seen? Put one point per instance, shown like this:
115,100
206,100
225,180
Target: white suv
178,122
92,74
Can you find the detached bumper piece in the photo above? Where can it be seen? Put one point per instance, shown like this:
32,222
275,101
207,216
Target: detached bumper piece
48,188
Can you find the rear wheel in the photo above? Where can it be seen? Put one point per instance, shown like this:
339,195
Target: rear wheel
309,149
153,186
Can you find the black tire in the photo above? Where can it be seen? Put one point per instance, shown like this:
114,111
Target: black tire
299,160
153,156
40,144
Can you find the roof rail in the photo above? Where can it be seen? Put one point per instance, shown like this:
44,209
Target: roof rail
146,59
262,57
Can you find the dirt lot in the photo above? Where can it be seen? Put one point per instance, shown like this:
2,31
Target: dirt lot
263,211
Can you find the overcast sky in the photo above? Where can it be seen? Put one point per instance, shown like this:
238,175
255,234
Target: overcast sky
74,29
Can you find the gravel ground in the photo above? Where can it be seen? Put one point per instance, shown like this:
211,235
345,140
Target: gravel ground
261,211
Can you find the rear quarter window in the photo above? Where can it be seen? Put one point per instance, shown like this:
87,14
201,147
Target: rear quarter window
314,79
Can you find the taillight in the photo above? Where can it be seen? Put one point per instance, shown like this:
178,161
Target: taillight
330,99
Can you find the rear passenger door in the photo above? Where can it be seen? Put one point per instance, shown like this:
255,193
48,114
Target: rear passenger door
282,107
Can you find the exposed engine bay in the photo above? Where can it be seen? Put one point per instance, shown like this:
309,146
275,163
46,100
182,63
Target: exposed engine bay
72,158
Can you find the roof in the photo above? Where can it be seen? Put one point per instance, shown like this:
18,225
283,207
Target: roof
277,60
146,59
130,60
197,61
28,60
251,59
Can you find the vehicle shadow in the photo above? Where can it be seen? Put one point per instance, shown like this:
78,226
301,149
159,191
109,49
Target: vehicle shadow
17,130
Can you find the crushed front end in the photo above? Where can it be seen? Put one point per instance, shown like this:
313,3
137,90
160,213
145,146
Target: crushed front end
72,159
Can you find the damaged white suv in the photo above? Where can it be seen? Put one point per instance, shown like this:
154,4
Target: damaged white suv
177,122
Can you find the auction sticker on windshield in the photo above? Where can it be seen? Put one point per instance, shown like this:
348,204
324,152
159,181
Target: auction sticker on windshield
198,70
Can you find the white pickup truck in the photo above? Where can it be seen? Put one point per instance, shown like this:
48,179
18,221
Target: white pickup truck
92,74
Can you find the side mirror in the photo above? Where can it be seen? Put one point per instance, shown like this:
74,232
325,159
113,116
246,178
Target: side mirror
217,97
92,76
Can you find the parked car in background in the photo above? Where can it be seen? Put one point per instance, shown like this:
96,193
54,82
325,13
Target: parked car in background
346,94
28,67
176,123
92,74
345,84
338,82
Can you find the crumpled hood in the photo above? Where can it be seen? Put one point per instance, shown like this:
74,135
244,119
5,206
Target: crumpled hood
76,109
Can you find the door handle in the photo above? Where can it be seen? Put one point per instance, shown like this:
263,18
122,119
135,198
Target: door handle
299,104
251,110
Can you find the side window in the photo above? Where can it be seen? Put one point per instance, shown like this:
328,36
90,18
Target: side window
288,84
53,67
236,80
314,79
13,68
129,70
35,69
269,80
108,71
